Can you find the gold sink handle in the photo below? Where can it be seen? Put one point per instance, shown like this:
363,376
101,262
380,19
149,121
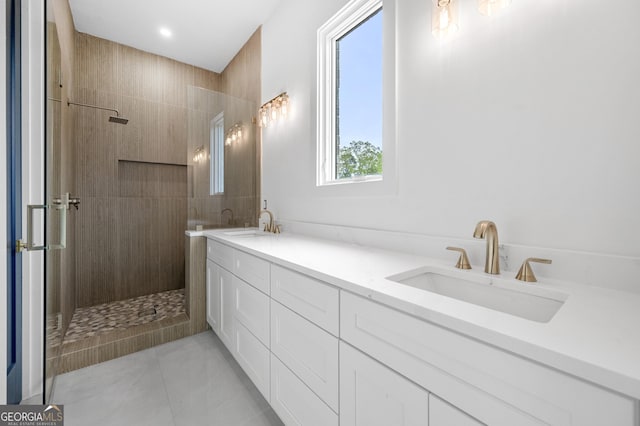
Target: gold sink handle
526,273
463,260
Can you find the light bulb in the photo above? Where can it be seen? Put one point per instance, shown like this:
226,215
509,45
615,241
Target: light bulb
239,133
444,21
265,117
274,113
284,106
444,18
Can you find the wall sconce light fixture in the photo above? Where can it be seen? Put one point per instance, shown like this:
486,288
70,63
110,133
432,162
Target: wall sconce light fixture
444,21
199,154
273,110
234,134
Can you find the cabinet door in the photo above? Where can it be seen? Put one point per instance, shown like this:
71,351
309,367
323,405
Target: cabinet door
213,296
444,414
254,358
227,301
251,308
309,351
294,402
373,395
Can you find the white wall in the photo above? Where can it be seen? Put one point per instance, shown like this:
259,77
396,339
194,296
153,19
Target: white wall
3,209
529,119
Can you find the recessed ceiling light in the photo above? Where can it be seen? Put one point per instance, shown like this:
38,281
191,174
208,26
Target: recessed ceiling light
165,32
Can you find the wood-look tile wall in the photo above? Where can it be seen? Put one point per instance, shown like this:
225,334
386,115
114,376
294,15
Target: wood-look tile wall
132,179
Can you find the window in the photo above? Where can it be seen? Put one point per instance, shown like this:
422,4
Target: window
351,115
217,155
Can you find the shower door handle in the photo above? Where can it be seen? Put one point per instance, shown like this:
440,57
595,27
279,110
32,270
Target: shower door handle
56,206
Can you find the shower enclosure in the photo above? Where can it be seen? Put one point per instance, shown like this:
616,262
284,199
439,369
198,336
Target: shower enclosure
187,157
223,160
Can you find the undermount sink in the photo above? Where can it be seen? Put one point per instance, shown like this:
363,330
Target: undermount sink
247,233
499,294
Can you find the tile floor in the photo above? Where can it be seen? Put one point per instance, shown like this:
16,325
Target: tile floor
192,381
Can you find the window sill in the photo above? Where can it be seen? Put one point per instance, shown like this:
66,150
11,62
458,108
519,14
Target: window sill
355,180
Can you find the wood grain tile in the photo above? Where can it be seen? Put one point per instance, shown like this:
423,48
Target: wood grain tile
173,79
96,63
172,127
138,140
206,79
138,74
97,263
195,282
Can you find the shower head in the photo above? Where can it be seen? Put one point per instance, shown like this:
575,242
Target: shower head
118,119
113,119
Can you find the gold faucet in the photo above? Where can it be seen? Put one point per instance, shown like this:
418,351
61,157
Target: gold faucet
271,226
526,273
487,230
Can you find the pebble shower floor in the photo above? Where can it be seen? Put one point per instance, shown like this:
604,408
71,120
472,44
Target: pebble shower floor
108,317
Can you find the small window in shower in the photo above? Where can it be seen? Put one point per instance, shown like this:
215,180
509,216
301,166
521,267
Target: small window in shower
217,155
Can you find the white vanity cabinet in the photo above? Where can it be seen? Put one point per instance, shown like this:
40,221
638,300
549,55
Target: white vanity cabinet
373,395
491,385
323,356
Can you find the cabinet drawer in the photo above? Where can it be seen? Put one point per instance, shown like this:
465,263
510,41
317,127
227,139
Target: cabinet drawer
373,395
252,269
251,308
314,300
493,386
253,357
294,402
310,352
443,414
220,254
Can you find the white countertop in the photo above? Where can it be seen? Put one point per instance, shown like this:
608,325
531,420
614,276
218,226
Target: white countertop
594,336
